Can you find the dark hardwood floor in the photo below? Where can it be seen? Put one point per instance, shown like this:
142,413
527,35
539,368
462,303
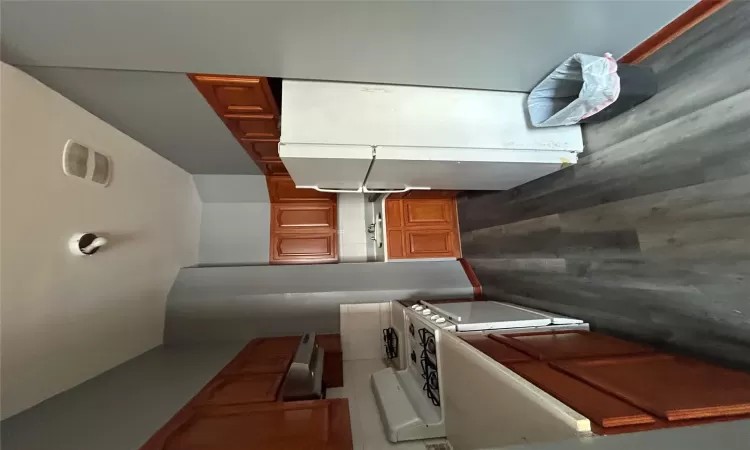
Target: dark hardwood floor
648,236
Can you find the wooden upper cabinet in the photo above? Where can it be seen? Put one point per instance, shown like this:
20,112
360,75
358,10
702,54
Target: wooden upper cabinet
601,408
667,386
250,111
311,425
422,228
303,218
554,345
237,95
264,355
283,189
241,389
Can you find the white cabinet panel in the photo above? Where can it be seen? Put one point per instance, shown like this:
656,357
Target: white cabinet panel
373,114
327,167
461,168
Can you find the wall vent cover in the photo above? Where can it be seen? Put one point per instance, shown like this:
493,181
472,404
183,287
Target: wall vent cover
83,162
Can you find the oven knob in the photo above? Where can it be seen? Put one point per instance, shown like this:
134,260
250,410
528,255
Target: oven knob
417,308
435,317
426,312
440,320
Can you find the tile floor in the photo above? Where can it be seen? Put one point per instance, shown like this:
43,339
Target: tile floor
367,429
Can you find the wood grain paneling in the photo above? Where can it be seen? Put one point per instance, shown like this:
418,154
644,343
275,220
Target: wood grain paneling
264,355
240,389
646,237
498,351
473,279
554,345
248,108
667,386
422,228
303,248
599,407
303,217
318,424
303,224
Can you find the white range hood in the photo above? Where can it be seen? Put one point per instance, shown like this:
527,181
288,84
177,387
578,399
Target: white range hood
370,138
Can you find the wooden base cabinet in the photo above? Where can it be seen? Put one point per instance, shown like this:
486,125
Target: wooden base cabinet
311,425
303,224
240,408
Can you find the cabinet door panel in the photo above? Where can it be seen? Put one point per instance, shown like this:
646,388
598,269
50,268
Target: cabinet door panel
313,425
556,345
237,95
303,248
428,212
304,217
598,406
273,169
254,127
430,243
241,389
396,244
667,386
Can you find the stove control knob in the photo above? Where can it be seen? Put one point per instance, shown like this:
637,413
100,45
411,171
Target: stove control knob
417,308
426,312
440,320
435,317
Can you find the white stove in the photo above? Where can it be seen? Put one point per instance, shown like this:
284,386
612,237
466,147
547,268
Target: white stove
410,400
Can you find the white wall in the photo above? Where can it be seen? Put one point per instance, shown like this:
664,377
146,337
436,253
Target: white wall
502,45
68,318
236,219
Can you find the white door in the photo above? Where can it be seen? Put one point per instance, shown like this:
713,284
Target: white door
406,168
327,168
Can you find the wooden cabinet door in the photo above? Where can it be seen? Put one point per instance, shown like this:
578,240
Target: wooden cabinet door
599,407
499,352
283,189
241,389
667,386
310,425
430,243
422,228
237,95
303,218
554,345
303,248
265,355
429,213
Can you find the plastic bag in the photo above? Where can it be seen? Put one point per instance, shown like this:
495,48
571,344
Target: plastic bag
578,88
